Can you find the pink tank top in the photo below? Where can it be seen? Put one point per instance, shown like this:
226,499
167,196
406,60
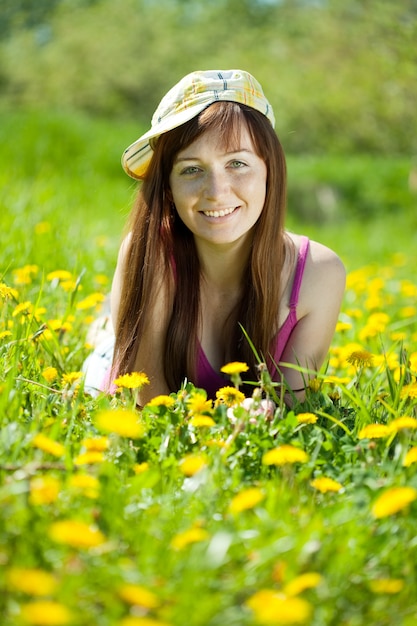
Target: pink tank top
210,380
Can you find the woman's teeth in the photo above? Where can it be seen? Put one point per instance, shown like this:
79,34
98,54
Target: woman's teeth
220,213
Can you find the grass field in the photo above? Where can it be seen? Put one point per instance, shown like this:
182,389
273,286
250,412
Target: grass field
193,512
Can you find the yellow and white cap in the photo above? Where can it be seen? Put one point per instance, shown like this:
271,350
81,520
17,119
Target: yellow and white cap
186,100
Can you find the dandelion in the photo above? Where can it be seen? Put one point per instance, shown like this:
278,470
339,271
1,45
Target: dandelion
246,499
41,228
97,444
187,537
89,458
325,484
50,374
192,463
162,400
76,534
386,585
122,422
5,333
59,275
283,455
202,421
138,595
234,368
409,391
23,308
374,431
133,380
45,613
309,580
198,403
71,378
274,608
91,301
343,326
404,423
48,445
410,457
306,418
360,358
314,384
24,275
34,582
393,500
88,485
140,468
230,396
7,292
44,490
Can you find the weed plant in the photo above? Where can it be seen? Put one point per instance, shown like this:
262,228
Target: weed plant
189,511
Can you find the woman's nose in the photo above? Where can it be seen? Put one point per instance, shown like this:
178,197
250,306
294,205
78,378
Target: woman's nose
216,184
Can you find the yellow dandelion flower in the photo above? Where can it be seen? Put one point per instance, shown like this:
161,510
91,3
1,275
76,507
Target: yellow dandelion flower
97,444
202,421
76,534
140,468
89,458
246,499
5,333
198,403
44,490
314,384
133,380
91,301
343,326
45,613
34,582
410,457
234,368
374,431
121,422
285,454
23,308
306,418
141,621
393,500
386,585
71,378
274,608
230,396
138,595
48,445
50,374
404,423
7,292
408,311
360,358
409,391
24,275
59,275
187,537
192,463
325,484
309,580
88,485
162,400
101,279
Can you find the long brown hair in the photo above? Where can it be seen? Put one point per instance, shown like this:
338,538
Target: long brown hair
161,245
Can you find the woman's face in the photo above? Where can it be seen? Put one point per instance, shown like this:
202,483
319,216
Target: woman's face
219,192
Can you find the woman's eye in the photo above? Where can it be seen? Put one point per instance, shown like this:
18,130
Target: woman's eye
237,164
191,169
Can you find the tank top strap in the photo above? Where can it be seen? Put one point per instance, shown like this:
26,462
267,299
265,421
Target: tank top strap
299,271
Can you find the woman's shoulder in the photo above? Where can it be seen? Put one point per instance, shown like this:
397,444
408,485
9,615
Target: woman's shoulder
319,256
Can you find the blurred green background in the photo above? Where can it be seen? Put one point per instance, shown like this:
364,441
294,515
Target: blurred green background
80,79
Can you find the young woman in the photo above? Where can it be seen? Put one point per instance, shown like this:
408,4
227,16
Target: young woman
206,262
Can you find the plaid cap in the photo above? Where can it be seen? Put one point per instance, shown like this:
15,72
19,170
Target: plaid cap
188,98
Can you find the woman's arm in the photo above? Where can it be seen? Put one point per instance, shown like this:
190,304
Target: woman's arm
318,309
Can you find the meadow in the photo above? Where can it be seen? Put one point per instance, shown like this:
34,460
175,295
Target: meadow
191,511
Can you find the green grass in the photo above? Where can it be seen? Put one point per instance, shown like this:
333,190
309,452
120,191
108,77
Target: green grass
194,553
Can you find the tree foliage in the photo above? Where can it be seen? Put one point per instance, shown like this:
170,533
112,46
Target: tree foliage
341,76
